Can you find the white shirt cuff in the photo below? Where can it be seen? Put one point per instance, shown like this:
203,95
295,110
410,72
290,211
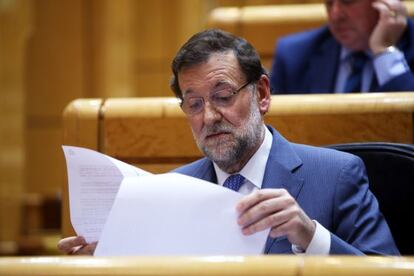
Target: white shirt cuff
320,243
389,65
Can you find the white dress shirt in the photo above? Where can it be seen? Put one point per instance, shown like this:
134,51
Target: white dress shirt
253,172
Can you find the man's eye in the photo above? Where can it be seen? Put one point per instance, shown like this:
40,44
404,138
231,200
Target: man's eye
222,98
195,104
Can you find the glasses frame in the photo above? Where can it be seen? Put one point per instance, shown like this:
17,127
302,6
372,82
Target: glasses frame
233,93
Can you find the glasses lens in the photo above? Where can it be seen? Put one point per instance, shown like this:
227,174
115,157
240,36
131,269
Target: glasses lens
193,105
224,97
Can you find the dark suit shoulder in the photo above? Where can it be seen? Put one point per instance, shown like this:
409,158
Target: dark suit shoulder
312,39
202,169
406,43
191,168
325,157
298,59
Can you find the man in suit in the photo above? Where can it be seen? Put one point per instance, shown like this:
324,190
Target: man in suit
367,46
313,200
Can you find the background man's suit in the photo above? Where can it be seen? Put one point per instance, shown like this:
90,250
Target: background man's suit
307,62
330,186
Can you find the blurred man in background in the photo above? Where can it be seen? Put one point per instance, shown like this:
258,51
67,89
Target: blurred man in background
367,46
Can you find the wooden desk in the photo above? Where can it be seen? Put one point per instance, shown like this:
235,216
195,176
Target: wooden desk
214,265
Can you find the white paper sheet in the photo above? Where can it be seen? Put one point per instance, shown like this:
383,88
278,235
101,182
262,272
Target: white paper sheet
94,180
173,214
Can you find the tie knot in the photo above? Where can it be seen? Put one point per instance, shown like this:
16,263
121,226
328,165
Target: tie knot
357,61
234,182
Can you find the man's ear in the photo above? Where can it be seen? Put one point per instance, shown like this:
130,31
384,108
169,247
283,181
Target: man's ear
263,94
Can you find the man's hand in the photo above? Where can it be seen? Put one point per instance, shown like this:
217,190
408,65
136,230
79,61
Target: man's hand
76,246
278,210
391,24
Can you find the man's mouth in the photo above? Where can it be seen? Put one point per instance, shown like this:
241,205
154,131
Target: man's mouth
217,135
340,28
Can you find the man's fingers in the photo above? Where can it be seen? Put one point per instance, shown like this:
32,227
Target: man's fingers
254,198
390,10
282,229
88,249
265,208
67,245
272,221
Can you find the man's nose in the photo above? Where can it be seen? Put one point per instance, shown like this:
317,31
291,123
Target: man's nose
211,113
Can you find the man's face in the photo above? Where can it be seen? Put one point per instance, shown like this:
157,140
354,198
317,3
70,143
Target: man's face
227,135
351,22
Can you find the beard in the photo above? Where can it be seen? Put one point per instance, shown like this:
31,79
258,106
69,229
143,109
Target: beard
232,151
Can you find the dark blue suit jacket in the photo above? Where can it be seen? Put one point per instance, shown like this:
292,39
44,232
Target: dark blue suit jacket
330,186
307,62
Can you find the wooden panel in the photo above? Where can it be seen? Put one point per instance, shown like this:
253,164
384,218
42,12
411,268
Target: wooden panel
54,62
14,30
155,129
357,266
214,265
133,42
80,123
329,119
44,148
324,130
149,127
55,73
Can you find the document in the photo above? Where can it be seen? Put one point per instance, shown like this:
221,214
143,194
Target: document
174,214
132,212
94,179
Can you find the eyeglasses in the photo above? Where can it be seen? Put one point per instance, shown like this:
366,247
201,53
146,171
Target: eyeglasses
224,97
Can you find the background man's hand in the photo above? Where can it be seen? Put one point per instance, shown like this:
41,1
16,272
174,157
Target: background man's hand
76,246
278,210
391,24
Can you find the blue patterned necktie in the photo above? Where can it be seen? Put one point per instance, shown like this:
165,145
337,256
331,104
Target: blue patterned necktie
234,182
354,81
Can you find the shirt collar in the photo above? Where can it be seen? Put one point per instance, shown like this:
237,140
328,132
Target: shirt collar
346,53
254,169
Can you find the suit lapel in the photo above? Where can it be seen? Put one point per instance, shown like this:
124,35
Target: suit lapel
280,173
322,67
205,171
281,166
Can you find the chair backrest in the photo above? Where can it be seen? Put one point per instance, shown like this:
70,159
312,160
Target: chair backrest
390,168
